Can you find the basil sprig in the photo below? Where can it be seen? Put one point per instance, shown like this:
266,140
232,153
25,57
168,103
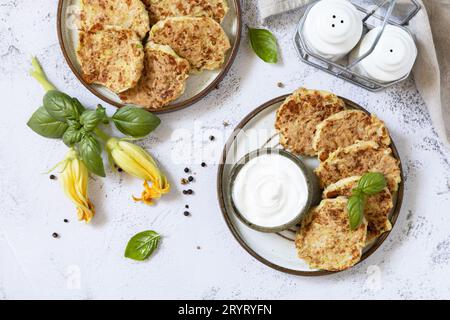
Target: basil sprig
264,44
369,184
142,245
64,117
135,122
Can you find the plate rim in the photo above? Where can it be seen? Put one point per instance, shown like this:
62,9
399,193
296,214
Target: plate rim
171,108
380,240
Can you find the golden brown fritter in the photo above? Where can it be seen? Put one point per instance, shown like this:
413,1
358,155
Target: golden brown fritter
163,79
162,9
357,159
201,41
347,127
299,115
111,57
325,240
124,14
377,207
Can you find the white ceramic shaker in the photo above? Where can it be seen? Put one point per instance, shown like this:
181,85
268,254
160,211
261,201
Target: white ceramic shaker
332,28
392,58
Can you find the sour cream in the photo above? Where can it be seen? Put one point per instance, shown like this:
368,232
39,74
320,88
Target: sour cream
270,190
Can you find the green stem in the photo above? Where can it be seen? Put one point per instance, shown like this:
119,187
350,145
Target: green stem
102,135
38,73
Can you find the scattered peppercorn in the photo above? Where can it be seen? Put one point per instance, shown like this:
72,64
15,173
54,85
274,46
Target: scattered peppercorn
187,214
55,235
191,178
66,221
198,247
120,169
184,181
186,170
280,85
190,191
52,177
203,164
185,192
186,206
212,138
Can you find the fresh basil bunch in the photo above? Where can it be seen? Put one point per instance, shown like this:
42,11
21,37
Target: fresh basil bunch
370,183
63,117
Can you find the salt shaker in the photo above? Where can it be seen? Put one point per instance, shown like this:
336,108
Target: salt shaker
332,28
392,58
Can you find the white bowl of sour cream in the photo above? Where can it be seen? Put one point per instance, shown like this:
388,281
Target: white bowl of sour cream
271,190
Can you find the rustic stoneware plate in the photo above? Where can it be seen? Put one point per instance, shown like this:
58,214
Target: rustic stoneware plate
277,250
197,86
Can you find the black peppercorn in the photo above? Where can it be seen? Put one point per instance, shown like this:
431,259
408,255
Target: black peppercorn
212,138
55,235
185,192
52,177
120,169
191,178
186,213
186,206
190,191
186,170
203,164
66,221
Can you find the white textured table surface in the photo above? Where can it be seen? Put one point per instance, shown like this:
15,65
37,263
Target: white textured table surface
87,262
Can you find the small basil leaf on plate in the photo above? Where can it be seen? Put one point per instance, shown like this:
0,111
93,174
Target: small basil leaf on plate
372,183
90,119
142,245
91,153
61,106
45,125
355,208
264,44
72,136
135,122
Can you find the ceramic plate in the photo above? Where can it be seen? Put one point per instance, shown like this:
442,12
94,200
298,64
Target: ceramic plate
197,86
278,251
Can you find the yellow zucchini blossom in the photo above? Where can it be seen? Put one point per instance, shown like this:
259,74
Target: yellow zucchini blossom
74,180
137,162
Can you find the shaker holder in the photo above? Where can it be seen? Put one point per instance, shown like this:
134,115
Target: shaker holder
345,72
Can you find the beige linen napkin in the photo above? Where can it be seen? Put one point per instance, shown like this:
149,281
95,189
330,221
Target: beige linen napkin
432,69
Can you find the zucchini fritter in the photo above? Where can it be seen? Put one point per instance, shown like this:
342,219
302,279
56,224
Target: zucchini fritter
201,41
162,9
163,81
299,115
111,57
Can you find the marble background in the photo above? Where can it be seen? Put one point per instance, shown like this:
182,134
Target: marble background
198,257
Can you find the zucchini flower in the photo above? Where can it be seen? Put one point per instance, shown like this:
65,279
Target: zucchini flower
137,162
74,180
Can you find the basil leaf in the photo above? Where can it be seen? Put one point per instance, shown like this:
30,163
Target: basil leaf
372,183
355,208
61,106
135,122
78,105
142,245
45,125
91,153
264,44
72,136
91,118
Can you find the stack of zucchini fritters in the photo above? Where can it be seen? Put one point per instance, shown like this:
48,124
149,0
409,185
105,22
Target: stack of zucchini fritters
145,50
